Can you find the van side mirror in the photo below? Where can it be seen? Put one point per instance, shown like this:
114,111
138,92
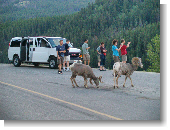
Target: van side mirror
71,45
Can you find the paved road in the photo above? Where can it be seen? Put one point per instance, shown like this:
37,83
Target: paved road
39,93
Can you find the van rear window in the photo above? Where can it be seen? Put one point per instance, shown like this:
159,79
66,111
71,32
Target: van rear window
15,44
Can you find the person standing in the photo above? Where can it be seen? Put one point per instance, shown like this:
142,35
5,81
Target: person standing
60,55
66,55
124,51
98,55
115,51
103,57
85,48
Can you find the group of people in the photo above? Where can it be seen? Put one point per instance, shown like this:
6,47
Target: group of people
64,57
101,53
123,48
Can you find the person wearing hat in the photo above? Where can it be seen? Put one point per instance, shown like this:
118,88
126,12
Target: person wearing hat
60,55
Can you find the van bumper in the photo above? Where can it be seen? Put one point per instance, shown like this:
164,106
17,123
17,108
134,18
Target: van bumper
75,60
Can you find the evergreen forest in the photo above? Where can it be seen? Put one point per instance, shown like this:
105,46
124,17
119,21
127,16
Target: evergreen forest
137,21
11,10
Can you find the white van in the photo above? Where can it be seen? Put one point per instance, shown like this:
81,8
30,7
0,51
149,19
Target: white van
38,50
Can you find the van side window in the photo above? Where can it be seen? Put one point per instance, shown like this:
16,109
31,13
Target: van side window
43,43
15,43
31,42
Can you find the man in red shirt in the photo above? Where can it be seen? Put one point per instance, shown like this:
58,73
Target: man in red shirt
123,50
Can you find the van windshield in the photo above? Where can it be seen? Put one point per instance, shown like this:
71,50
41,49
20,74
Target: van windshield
55,41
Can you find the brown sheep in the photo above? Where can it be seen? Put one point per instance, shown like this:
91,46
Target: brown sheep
86,72
126,69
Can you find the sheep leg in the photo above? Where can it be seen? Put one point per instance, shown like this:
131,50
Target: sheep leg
72,82
125,81
114,79
117,81
75,82
131,81
85,81
91,81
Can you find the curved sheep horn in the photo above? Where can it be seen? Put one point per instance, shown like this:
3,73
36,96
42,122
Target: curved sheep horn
135,60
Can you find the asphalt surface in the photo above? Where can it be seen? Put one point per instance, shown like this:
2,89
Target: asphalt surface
39,93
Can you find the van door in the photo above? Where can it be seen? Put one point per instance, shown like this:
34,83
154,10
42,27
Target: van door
23,52
31,46
40,53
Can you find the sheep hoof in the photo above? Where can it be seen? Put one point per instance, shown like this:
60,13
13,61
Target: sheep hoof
124,86
73,86
86,87
77,86
97,86
114,87
132,85
117,86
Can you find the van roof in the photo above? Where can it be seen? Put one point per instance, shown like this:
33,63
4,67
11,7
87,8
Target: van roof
20,38
47,36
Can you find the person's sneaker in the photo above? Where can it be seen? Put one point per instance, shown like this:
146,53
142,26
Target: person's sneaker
67,69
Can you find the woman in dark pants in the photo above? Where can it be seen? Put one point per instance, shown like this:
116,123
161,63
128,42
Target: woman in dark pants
102,57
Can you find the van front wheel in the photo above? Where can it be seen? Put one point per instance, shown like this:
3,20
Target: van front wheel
53,63
16,61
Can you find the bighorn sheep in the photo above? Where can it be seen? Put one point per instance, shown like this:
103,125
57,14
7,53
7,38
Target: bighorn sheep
86,72
126,69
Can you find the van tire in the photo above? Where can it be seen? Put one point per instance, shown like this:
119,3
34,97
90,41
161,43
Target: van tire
16,61
53,63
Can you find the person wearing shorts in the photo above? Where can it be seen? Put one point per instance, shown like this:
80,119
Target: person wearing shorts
60,55
66,55
124,58
60,61
115,51
124,51
116,58
86,58
85,48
